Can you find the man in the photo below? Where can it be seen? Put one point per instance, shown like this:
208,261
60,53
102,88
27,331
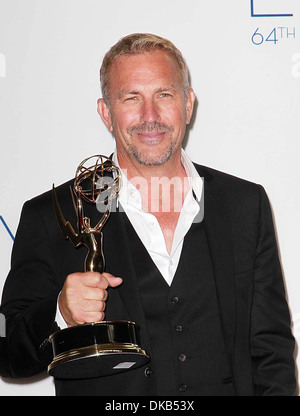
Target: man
207,293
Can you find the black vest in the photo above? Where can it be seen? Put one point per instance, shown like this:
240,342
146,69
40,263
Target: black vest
188,356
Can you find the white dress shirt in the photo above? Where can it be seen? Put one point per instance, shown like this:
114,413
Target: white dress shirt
147,226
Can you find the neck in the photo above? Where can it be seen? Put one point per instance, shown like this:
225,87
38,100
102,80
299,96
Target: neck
159,186
170,169
162,188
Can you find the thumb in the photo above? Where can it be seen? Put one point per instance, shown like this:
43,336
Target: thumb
112,280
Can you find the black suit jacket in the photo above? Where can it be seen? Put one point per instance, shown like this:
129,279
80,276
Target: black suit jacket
253,309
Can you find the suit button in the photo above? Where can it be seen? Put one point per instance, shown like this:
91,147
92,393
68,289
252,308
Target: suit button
183,388
179,328
148,372
175,299
182,357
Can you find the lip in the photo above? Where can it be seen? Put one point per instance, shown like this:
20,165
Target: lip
153,137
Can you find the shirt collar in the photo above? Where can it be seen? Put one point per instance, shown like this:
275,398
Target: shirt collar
195,180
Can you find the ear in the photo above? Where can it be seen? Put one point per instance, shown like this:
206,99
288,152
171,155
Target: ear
104,113
190,105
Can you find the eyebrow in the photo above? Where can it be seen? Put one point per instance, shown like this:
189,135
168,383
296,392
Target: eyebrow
167,88
122,93
126,92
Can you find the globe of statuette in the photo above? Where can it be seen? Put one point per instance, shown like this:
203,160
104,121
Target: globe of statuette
97,180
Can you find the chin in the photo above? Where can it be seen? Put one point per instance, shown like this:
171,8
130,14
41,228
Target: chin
150,158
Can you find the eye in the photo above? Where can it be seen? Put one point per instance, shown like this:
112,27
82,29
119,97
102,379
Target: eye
131,98
165,95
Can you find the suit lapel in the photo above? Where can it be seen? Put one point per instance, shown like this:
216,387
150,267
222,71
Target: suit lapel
219,234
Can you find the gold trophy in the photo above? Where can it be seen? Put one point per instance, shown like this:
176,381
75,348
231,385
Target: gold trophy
100,348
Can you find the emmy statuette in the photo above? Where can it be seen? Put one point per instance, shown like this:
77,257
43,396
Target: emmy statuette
100,348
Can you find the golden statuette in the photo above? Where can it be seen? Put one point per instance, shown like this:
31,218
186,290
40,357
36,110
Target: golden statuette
99,348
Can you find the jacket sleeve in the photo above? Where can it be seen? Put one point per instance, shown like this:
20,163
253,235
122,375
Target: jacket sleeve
272,343
29,300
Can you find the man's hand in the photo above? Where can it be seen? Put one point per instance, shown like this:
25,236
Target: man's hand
83,297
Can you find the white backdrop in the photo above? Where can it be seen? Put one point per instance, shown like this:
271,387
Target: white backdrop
245,67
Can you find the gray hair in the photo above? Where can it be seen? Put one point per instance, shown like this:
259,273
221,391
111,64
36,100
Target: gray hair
139,43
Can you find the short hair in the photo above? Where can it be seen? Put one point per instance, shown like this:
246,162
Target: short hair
139,43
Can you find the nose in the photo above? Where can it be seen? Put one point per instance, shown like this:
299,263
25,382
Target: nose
149,111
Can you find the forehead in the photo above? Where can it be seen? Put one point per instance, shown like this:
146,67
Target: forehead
144,69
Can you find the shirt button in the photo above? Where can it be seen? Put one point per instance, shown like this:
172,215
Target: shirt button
175,299
179,328
132,194
182,357
183,388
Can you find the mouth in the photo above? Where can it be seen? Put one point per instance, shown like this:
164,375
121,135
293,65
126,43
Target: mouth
150,134
151,138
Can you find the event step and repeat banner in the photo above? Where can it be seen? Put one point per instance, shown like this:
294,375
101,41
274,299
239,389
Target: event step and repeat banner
244,60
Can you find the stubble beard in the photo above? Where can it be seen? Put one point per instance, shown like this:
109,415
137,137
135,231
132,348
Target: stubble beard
148,159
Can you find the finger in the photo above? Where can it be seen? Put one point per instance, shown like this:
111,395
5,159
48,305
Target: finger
93,306
89,317
93,279
112,280
94,294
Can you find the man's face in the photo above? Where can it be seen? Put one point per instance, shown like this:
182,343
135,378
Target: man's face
148,110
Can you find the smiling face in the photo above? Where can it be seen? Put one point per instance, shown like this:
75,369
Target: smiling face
148,109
